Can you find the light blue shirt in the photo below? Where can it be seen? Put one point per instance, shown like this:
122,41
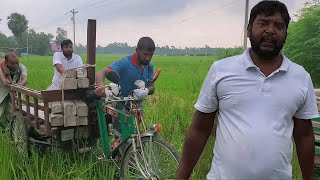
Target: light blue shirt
254,133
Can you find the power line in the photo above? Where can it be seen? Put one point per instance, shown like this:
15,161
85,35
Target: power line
87,9
198,14
93,4
53,21
206,12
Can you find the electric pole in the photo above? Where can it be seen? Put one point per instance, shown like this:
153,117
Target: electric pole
27,41
245,25
74,27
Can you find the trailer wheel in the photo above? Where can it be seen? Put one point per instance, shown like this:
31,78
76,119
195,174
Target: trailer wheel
19,134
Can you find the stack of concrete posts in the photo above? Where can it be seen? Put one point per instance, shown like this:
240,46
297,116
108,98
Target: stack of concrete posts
71,114
76,78
317,91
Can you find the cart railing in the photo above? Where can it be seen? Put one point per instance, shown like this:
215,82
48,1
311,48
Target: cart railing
27,100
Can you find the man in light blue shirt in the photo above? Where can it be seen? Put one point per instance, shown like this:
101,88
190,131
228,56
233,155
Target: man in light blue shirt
262,100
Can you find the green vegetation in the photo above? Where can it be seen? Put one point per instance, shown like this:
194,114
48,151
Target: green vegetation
172,106
303,41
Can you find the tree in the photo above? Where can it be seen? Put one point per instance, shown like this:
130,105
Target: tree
39,43
6,43
18,24
303,42
61,35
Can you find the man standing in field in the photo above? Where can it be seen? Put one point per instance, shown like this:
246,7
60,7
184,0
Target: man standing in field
63,61
130,68
11,72
262,100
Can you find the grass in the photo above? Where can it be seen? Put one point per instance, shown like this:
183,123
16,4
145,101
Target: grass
172,105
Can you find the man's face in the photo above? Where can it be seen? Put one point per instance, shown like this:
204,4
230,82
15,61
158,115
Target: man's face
144,56
12,63
267,35
67,50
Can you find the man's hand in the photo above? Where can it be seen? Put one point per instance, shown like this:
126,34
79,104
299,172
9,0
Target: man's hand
140,93
100,91
23,80
6,82
108,93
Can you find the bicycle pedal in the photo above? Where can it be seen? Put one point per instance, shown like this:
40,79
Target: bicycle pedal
84,149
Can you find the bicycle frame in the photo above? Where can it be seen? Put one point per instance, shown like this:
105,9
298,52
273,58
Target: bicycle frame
129,122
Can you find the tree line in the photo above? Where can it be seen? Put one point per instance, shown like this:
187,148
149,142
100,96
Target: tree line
302,44
39,42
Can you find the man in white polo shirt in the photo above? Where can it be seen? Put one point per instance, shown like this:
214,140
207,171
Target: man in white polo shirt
63,61
262,100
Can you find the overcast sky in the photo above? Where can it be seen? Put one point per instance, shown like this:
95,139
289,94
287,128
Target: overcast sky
195,23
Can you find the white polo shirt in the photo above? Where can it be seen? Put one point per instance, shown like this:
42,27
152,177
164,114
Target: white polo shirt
253,138
59,58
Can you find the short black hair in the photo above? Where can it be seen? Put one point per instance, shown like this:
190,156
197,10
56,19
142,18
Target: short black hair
66,42
146,43
269,8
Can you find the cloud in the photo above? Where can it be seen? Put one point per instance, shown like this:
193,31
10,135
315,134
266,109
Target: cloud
168,22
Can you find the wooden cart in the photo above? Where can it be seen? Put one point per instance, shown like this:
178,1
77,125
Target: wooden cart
31,108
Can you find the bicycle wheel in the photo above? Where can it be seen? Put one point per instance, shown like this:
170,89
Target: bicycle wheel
19,134
156,159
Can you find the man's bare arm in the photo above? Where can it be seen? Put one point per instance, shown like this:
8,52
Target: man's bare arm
100,77
59,68
195,142
4,81
23,80
304,139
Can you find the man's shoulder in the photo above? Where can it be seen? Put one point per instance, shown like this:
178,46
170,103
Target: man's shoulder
125,59
21,65
296,69
228,61
57,54
77,56
122,62
23,69
150,64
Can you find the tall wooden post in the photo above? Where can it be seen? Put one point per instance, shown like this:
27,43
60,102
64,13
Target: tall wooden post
91,50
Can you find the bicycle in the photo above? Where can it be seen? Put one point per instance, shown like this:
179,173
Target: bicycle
147,156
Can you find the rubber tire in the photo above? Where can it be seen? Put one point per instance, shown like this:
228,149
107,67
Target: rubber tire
143,139
19,130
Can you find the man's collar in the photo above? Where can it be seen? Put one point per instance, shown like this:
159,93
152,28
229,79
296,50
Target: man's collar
248,63
64,57
134,59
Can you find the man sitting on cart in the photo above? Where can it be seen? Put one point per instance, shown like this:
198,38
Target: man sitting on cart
11,72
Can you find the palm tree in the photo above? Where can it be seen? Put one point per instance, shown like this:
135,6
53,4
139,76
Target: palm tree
18,24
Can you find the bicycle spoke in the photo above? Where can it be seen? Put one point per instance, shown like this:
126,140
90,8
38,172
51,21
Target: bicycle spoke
160,162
